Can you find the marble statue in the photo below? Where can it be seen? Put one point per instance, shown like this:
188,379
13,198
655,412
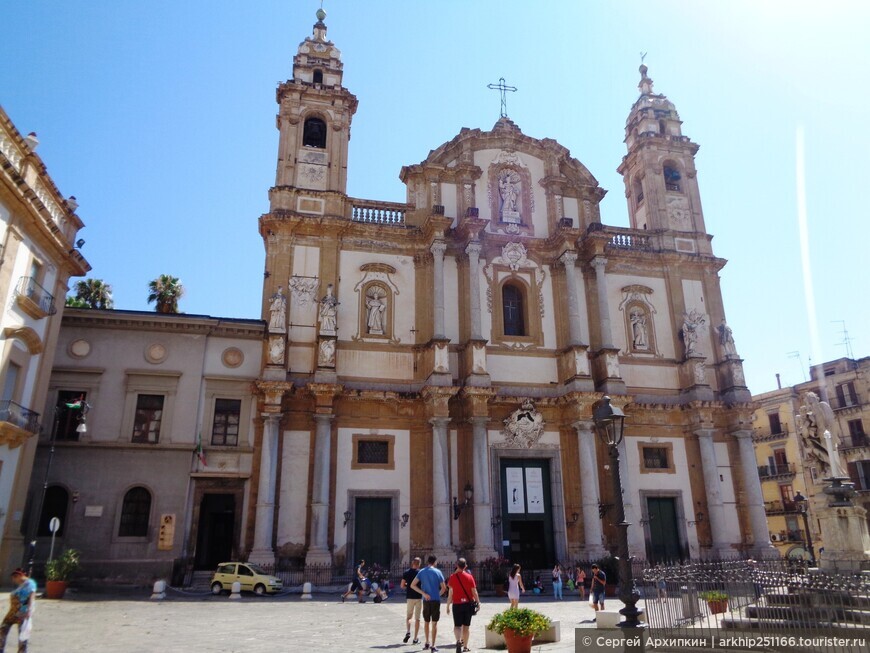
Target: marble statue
276,350
326,353
726,339
816,423
639,333
689,331
376,307
509,190
278,311
328,312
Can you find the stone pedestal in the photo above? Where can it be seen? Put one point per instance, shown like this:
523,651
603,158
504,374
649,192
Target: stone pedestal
693,378
844,529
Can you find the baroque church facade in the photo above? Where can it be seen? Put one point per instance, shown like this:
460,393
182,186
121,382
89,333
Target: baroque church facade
430,366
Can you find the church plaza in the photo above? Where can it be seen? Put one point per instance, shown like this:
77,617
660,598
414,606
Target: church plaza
132,623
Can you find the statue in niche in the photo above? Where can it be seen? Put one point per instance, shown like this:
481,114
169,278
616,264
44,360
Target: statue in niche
326,353
328,312
726,339
639,333
278,311
689,331
376,308
509,190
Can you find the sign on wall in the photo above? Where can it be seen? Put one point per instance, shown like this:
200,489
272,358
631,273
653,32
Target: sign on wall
516,501
535,490
167,533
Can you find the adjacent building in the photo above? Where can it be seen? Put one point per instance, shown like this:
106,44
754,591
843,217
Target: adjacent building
38,256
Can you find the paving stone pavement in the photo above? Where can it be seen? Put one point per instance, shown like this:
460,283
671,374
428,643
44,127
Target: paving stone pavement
129,622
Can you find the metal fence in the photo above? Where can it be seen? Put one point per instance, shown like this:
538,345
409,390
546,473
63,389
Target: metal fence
778,605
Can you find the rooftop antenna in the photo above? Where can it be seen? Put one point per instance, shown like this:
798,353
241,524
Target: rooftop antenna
797,354
847,341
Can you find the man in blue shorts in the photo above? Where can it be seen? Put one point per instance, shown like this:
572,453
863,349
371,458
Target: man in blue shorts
599,582
430,584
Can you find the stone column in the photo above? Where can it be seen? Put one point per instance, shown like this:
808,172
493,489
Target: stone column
483,543
473,252
715,507
568,259
754,498
438,248
589,489
318,549
600,263
263,553
441,514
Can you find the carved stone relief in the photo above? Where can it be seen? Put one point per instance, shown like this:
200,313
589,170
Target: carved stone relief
276,350
326,353
525,426
303,290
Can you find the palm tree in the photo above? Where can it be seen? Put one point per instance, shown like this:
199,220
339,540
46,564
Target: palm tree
94,293
166,290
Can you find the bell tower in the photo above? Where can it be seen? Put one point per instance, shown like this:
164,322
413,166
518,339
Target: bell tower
659,170
314,116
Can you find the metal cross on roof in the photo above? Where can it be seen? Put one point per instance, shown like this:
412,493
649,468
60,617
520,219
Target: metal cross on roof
503,89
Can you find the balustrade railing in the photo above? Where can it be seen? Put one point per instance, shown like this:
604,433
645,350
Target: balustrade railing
378,212
28,287
778,507
781,469
17,415
855,441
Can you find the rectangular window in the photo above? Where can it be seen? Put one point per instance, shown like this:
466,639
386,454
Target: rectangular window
69,413
373,452
655,458
225,428
846,395
856,427
149,414
775,425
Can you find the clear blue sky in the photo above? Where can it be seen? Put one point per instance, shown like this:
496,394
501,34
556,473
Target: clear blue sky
159,117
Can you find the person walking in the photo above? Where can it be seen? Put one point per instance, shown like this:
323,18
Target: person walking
515,586
557,582
413,602
599,582
580,582
430,584
20,610
358,584
462,597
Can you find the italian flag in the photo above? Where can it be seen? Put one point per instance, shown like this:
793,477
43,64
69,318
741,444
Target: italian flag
200,454
76,404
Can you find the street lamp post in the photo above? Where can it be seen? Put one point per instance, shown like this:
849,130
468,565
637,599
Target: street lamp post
610,424
802,505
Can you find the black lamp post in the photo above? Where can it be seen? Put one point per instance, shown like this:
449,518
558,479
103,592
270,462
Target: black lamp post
801,504
457,507
610,425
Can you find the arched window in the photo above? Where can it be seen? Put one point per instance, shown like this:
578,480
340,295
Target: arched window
54,505
672,177
318,76
662,129
135,512
512,307
314,133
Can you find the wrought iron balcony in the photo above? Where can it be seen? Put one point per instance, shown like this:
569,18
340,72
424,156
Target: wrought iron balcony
781,434
856,441
17,423
844,402
774,471
779,507
34,300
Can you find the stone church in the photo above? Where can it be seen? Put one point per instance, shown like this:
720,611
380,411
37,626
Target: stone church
430,366
424,373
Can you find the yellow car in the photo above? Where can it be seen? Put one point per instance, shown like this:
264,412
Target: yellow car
250,577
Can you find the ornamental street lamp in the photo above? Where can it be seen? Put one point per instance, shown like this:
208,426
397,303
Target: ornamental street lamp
801,504
458,507
610,425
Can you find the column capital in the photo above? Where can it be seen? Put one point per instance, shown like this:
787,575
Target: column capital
569,258
599,263
438,248
706,433
324,417
742,434
271,417
474,247
584,425
439,421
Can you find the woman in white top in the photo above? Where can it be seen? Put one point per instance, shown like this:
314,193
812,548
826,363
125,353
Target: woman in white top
515,586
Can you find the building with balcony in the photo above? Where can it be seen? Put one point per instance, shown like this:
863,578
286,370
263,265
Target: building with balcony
38,256
786,468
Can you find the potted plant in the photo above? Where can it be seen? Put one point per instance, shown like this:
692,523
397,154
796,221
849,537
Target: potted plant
716,600
519,626
58,572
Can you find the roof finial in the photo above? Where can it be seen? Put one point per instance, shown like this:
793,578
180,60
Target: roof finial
320,26
646,83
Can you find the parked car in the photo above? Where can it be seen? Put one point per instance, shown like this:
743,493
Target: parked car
250,577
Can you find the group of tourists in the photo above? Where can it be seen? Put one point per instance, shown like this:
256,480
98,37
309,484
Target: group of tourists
362,586
577,580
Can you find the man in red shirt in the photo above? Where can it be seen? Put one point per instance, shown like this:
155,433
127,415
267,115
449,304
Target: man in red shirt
462,597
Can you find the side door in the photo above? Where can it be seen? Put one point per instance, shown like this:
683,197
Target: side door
246,578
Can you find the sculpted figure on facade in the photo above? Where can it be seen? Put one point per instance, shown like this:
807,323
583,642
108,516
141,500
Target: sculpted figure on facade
726,339
509,190
326,353
639,333
376,308
278,311
525,426
276,350
817,425
692,321
328,312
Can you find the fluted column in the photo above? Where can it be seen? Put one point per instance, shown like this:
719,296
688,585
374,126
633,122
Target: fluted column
318,549
568,259
263,553
483,543
600,263
715,507
754,496
473,252
440,487
438,248
593,541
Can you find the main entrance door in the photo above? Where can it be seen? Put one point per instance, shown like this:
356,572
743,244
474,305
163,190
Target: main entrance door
664,544
214,539
527,512
372,533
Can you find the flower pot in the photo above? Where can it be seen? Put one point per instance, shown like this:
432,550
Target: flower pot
55,589
719,606
517,643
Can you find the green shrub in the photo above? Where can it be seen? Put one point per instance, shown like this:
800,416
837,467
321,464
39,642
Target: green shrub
522,621
63,567
714,595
